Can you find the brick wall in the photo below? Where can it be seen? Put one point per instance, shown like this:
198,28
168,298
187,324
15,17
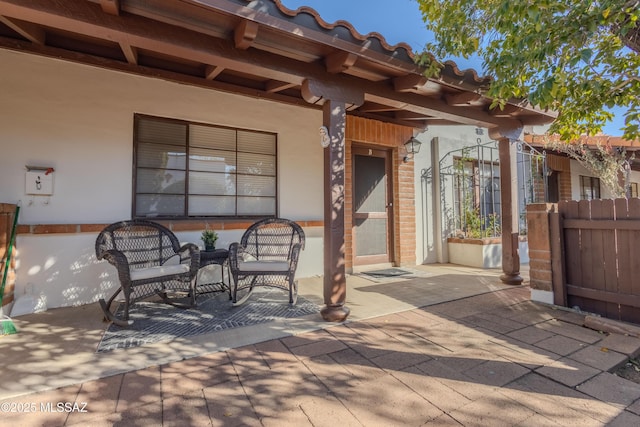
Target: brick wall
562,165
384,135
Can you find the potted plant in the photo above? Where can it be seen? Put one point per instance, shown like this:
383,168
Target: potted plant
209,238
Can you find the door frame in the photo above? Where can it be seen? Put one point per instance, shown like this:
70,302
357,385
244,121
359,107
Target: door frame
387,155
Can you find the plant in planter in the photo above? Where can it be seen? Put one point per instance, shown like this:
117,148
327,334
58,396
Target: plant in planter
209,237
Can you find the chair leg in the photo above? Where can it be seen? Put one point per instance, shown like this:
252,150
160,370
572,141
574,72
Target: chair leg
244,298
109,316
293,292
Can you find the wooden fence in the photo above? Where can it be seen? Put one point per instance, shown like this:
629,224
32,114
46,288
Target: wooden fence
599,255
7,212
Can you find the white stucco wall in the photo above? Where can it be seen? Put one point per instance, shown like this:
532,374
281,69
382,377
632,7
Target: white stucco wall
483,256
79,120
577,170
449,138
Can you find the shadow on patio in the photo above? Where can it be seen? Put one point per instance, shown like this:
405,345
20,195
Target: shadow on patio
58,347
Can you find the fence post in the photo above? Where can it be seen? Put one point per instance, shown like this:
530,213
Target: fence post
557,260
7,211
540,235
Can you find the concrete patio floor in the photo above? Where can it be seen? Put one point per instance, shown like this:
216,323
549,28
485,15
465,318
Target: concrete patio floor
476,353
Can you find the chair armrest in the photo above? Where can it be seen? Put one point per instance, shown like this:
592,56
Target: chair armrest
120,262
191,252
235,250
295,254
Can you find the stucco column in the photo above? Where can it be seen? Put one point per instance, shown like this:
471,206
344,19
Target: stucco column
335,283
509,203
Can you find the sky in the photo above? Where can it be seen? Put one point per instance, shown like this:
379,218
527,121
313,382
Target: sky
397,21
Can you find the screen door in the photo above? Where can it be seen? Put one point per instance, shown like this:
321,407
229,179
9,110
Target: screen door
371,206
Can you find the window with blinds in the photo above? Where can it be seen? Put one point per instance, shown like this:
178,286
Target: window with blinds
184,169
589,188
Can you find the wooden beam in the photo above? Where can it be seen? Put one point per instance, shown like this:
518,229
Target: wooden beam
462,99
339,61
84,17
415,124
245,33
531,120
439,122
273,86
438,109
130,52
29,31
212,71
408,115
371,107
152,73
315,90
111,7
507,111
409,83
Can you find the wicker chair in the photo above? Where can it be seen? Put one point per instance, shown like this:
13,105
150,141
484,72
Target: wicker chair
267,255
149,261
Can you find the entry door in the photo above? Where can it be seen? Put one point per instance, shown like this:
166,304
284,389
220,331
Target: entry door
372,207
553,187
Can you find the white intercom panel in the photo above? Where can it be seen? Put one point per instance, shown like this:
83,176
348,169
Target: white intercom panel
39,182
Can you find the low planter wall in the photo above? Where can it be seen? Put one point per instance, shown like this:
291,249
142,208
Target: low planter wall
482,253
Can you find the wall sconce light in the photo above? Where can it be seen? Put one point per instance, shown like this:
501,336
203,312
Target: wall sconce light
413,147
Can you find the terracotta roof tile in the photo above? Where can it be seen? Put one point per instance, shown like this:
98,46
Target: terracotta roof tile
450,67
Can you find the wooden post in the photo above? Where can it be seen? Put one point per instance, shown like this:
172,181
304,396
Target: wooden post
334,109
335,284
509,203
557,261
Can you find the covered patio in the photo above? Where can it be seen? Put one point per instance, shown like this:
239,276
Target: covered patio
253,65
485,359
59,347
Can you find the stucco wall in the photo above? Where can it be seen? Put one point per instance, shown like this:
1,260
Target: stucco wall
449,138
79,120
578,170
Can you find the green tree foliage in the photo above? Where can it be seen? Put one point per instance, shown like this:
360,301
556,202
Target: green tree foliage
578,57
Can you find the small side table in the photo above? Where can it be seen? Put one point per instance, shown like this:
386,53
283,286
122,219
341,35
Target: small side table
207,258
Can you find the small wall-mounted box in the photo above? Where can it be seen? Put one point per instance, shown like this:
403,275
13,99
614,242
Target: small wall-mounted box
39,182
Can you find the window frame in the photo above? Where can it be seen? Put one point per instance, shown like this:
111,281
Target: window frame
475,176
138,117
593,180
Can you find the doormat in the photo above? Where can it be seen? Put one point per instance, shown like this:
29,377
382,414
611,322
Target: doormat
156,322
387,272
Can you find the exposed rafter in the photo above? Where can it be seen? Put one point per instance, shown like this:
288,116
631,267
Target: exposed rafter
245,33
507,111
273,86
408,115
339,62
29,31
251,47
462,99
372,107
110,6
409,83
212,71
130,52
